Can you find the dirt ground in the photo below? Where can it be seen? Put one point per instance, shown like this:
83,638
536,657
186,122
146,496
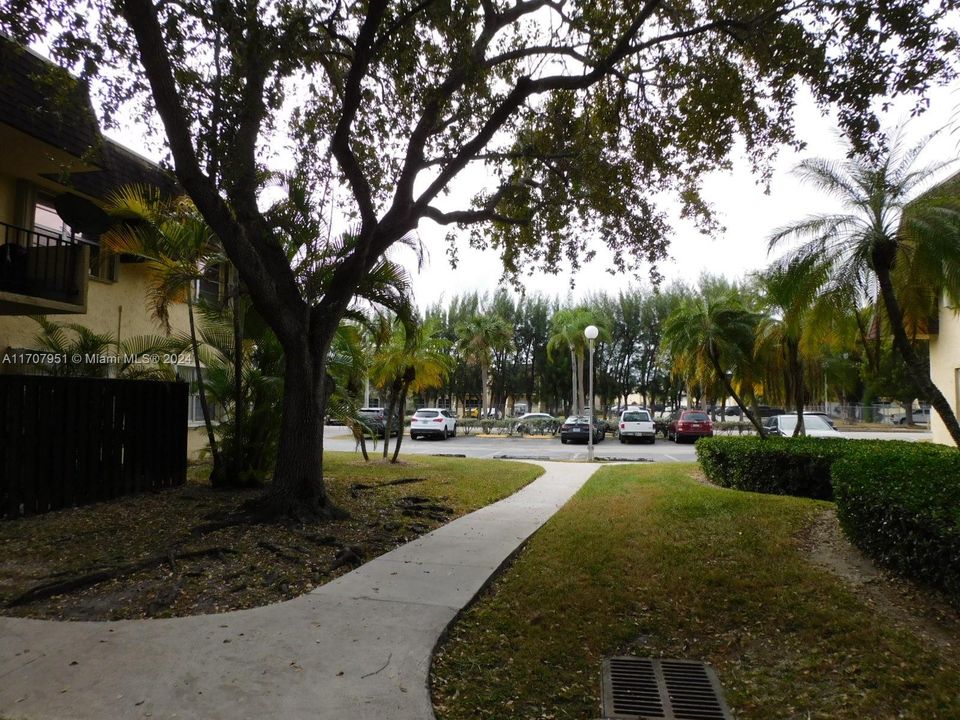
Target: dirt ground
924,611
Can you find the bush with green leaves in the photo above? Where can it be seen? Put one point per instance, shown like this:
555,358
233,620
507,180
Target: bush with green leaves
779,466
900,503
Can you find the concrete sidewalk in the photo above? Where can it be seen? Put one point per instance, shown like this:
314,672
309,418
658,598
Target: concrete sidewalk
357,648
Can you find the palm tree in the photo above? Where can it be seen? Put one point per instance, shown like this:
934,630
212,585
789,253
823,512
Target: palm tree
713,333
568,326
70,340
415,358
887,225
787,294
180,248
479,337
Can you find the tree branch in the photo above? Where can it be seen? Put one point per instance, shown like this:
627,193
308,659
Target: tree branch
258,273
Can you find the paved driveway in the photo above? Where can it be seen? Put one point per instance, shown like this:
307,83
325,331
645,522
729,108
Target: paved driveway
338,438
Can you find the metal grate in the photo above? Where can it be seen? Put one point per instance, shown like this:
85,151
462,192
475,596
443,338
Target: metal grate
647,689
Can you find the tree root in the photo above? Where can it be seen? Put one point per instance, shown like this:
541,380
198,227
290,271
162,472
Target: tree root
356,488
47,590
281,552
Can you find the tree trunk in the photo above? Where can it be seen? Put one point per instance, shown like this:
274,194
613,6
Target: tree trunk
217,476
363,445
388,416
733,393
400,414
573,382
239,405
920,373
484,379
795,366
298,488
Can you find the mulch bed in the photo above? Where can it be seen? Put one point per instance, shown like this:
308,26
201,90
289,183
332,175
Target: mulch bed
182,552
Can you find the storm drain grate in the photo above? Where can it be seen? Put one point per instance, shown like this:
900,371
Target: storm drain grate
646,689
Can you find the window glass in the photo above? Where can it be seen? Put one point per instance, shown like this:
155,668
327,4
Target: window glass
103,265
194,409
426,413
636,416
208,287
46,219
695,417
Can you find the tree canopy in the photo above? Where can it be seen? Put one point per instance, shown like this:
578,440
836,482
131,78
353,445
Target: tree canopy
577,119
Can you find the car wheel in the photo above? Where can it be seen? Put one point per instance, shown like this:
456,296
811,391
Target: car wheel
454,430
412,436
563,440
623,441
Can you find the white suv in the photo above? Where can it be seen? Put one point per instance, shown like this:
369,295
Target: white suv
438,422
637,423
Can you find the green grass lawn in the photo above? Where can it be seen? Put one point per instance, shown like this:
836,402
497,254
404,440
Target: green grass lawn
647,561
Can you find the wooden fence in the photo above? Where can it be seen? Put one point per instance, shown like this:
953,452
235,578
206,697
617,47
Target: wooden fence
71,441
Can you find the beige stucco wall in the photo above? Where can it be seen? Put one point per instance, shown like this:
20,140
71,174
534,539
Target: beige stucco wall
945,367
110,305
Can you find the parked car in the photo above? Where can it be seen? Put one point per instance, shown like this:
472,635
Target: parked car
820,414
637,425
920,417
577,427
689,424
375,419
813,425
767,411
529,422
433,422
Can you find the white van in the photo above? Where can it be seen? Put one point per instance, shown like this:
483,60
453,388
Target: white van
636,423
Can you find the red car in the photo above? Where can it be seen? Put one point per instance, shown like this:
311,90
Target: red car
690,424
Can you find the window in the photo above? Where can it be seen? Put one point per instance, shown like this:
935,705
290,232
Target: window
46,220
208,287
194,409
103,265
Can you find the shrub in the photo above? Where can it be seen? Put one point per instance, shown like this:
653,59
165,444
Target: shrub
780,466
900,503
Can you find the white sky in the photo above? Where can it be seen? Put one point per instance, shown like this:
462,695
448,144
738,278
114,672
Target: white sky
747,213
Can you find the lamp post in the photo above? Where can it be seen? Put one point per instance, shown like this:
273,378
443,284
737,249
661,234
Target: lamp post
591,332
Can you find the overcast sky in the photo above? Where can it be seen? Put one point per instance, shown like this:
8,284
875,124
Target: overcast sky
747,213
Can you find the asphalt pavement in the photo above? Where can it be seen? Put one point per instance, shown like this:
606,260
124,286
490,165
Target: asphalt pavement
339,438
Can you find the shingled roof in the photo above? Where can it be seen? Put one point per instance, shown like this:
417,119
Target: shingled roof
46,102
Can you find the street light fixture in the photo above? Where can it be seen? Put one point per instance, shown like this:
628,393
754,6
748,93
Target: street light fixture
591,332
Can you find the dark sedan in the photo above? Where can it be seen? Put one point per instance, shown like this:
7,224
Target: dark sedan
577,427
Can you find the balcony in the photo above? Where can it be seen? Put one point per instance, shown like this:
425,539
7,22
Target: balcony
41,273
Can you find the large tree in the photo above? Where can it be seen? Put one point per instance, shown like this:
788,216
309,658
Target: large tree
582,114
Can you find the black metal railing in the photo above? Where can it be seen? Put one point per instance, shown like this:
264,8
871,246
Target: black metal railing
40,264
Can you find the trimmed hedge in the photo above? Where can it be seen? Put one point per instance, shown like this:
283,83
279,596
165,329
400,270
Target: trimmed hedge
779,466
900,503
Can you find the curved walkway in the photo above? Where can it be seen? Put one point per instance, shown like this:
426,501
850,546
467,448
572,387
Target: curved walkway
358,647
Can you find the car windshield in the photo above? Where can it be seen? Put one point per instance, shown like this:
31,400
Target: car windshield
695,417
810,422
426,413
636,416
574,419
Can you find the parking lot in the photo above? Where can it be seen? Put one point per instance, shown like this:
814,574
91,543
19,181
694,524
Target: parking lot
338,438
